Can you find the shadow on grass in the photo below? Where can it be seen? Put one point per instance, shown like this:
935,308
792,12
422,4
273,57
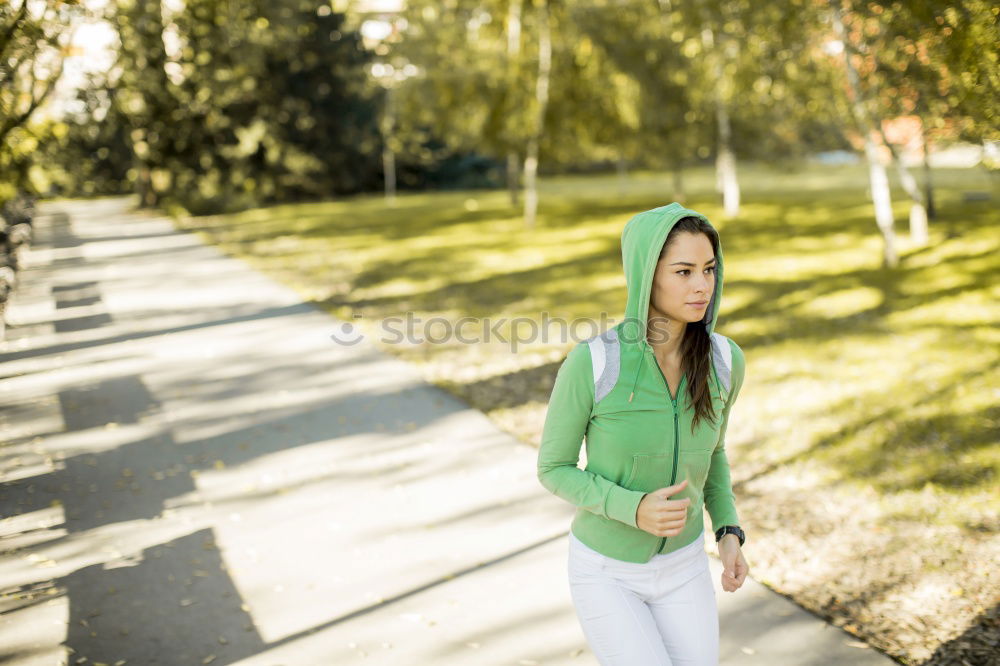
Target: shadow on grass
921,449
977,645
451,259
475,297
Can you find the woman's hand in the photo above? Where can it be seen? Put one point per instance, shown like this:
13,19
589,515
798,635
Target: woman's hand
661,516
734,566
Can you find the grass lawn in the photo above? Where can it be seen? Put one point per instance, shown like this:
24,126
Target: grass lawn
864,445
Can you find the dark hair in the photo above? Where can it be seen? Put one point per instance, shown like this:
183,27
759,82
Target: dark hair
696,347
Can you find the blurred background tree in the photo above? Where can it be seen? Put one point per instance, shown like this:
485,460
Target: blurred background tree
253,103
223,106
34,41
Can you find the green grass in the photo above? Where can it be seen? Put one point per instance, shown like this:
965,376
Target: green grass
886,378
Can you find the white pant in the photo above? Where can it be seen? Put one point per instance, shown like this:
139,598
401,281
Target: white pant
661,613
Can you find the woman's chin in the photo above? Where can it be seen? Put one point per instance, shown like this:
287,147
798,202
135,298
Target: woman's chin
692,316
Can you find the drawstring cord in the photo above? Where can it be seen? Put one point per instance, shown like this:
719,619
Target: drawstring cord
642,361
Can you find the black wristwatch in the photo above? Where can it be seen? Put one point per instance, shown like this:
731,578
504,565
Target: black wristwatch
730,529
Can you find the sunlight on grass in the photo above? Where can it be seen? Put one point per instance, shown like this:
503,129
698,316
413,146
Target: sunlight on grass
888,378
842,303
965,309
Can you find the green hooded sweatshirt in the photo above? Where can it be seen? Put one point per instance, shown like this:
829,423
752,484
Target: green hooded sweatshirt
638,437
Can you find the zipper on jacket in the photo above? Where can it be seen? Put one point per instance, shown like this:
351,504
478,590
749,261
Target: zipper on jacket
673,474
673,402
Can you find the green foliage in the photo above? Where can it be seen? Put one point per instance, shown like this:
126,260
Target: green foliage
936,59
224,106
260,102
28,35
632,80
87,152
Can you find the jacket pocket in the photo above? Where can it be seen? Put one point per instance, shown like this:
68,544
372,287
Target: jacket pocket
694,467
650,471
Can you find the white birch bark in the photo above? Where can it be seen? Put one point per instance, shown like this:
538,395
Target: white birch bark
878,181
513,53
726,179
541,101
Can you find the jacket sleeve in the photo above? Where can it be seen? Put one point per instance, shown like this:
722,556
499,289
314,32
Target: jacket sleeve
719,497
566,423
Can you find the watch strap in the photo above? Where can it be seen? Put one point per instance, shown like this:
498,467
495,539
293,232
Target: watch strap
730,529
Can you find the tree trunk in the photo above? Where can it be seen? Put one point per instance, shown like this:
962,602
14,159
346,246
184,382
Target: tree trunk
879,182
541,101
918,213
513,52
621,167
678,183
928,183
882,201
725,165
513,176
388,156
725,160
144,187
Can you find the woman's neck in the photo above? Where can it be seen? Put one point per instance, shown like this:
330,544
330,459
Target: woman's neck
668,335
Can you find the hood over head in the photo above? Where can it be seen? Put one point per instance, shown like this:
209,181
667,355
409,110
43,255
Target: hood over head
642,240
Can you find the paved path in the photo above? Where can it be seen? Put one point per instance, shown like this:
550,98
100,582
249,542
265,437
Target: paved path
193,472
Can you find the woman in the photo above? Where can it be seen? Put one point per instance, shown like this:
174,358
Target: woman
652,396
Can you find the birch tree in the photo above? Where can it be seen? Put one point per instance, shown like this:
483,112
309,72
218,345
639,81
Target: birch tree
877,178
541,102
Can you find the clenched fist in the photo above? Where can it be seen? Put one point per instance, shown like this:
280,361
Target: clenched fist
661,516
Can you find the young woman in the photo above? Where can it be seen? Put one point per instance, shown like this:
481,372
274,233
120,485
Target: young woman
652,396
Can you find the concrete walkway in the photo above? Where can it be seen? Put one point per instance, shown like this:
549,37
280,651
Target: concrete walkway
195,473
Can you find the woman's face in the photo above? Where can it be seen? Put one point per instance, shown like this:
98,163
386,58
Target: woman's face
685,276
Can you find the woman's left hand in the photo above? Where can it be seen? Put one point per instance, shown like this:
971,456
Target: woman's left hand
734,566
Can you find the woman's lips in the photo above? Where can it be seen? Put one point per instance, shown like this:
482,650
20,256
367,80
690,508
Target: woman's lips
698,305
